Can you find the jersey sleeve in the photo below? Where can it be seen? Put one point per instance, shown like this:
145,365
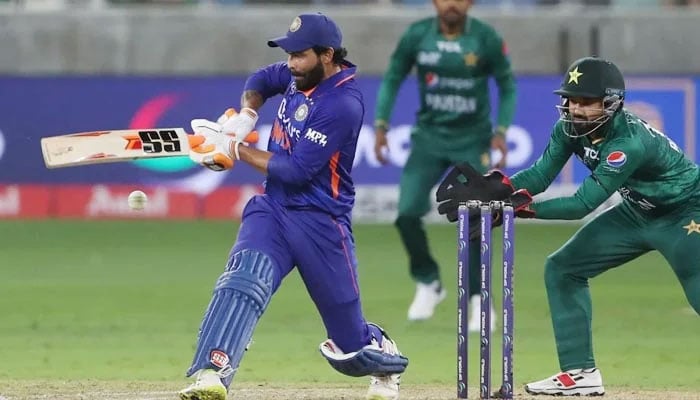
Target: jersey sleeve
270,80
542,173
330,127
499,67
400,64
620,160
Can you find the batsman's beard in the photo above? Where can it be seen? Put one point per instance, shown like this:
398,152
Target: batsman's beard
310,79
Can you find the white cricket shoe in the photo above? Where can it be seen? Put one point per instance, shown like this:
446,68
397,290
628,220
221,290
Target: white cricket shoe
385,387
576,382
475,314
207,386
428,295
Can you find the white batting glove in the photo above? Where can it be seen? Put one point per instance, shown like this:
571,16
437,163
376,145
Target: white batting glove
238,124
211,148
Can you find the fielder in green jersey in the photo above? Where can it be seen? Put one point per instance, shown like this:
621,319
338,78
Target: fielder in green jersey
454,55
660,189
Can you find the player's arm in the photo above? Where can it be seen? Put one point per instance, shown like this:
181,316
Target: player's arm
500,68
542,173
264,83
609,176
332,124
400,64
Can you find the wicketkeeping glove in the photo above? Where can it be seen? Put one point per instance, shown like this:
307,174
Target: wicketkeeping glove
464,183
520,200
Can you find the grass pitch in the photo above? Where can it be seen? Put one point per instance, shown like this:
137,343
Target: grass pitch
111,310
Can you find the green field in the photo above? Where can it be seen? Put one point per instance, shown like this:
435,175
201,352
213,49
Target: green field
111,310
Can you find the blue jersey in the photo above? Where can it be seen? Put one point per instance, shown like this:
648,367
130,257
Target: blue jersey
313,138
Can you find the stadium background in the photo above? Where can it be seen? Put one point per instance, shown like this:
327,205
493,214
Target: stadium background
74,290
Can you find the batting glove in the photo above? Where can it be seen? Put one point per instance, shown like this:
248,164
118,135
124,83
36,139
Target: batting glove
211,148
238,124
215,144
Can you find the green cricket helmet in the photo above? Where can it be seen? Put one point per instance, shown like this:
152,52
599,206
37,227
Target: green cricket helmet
591,78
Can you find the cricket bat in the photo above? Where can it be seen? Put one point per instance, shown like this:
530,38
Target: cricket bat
117,146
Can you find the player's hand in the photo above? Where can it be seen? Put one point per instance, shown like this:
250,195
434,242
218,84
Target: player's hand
520,200
464,183
498,142
381,145
239,125
211,148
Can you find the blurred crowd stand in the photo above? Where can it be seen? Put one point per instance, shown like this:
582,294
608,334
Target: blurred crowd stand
426,3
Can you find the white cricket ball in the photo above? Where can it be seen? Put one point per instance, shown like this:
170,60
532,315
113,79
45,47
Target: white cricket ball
137,200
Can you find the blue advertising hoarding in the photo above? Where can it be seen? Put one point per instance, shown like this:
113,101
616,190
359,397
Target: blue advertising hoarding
34,107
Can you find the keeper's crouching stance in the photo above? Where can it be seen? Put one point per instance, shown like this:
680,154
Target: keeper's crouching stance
302,220
660,188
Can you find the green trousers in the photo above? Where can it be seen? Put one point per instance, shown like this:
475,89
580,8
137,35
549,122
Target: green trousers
424,168
613,238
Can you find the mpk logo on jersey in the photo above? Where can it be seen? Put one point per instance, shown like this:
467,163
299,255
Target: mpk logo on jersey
616,159
316,137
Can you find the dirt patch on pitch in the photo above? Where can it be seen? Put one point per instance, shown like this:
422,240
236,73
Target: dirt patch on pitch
108,390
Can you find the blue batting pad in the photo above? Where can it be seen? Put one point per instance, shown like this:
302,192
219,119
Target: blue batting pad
241,295
370,360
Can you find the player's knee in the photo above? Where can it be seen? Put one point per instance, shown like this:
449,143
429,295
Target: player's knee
379,358
249,272
407,223
691,286
554,272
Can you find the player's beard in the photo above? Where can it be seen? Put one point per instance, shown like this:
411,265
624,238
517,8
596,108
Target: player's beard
453,18
310,79
582,126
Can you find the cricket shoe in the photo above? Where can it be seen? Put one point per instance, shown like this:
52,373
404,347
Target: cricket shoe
475,314
385,387
207,386
576,382
428,295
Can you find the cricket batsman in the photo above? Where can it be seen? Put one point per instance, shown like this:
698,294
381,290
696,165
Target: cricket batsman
302,220
454,55
660,188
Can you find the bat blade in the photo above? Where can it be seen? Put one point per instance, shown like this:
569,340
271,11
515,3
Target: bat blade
113,146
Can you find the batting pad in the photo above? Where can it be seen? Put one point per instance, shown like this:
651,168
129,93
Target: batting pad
241,295
370,360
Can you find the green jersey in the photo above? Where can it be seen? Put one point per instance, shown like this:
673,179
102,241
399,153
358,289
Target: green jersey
452,81
647,168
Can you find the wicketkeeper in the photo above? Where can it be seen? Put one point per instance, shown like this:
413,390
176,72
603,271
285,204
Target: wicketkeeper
660,188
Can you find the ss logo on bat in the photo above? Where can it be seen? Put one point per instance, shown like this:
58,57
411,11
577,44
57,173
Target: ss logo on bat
160,141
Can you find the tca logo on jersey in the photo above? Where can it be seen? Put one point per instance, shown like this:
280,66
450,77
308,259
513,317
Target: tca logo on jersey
316,137
616,159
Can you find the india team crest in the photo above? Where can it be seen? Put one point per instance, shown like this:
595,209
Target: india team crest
296,24
301,112
616,159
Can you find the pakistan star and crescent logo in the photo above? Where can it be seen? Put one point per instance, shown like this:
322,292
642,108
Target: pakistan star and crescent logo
692,227
471,59
574,75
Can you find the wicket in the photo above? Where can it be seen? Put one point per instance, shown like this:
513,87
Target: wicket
485,211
